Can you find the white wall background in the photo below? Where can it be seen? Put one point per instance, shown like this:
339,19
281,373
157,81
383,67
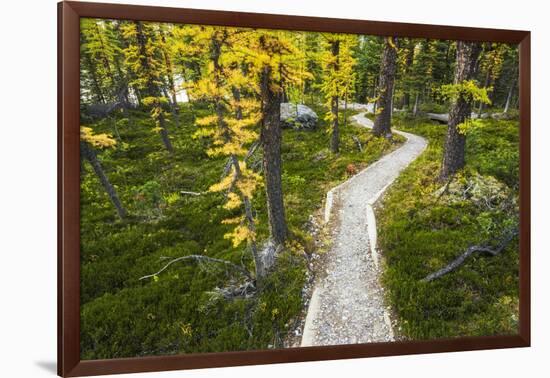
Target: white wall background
28,186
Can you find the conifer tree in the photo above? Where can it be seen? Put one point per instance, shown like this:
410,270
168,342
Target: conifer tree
143,57
102,56
225,84
338,78
368,55
382,123
275,60
490,66
463,92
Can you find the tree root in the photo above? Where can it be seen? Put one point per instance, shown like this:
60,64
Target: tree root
470,251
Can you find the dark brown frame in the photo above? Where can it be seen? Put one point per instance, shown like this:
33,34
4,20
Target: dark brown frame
69,363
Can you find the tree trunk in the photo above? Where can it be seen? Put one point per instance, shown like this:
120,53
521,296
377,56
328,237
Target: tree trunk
510,93
346,109
259,266
98,93
485,85
152,88
335,67
374,94
335,134
271,137
461,109
416,100
171,84
164,133
382,123
89,154
408,65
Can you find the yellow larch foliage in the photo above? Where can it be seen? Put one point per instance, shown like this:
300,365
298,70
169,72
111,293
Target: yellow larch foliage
96,140
338,70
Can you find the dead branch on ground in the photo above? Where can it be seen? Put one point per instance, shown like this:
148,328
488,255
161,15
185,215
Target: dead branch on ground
201,258
470,251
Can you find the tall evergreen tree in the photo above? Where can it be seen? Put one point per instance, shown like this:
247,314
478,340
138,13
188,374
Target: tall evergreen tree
231,127
338,79
462,92
273,58
143,56
382,123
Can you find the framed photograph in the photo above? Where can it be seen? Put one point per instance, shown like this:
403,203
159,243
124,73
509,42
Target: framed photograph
239,188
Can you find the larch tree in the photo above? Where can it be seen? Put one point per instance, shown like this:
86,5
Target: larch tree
273,58
382,123
463,92
225,85
89,142
96,71
338,79
144,58
102,55
490,65
169,72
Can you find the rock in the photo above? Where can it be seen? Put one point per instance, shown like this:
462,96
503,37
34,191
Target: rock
483,191
298,117
501,116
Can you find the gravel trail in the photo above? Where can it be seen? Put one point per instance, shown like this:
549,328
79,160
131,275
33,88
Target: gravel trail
347,303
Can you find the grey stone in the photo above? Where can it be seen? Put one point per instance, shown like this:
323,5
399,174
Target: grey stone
297,116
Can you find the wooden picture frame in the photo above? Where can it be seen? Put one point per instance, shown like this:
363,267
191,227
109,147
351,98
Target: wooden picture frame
69,362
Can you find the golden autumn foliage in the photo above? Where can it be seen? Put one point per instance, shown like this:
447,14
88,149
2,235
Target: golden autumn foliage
96,140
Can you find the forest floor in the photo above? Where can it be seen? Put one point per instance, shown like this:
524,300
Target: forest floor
347,303
180,311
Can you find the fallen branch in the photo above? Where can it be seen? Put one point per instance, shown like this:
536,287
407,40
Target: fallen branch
191,193
200,258
358,142
470,251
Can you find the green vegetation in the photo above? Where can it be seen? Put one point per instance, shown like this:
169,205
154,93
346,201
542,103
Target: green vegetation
422,230
196,203
181,311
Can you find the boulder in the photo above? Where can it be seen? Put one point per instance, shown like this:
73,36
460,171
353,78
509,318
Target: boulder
298,117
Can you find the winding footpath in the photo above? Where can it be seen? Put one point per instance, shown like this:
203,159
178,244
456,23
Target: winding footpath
347,302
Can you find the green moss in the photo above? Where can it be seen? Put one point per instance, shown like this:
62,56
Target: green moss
419,234
180,312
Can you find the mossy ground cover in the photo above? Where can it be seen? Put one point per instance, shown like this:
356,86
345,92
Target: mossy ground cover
419,233
180,311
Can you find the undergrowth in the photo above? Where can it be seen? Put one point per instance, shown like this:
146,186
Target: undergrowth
422,230
180,311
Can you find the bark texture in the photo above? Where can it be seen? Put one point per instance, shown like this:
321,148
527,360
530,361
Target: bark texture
455,145
382,123
271,137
